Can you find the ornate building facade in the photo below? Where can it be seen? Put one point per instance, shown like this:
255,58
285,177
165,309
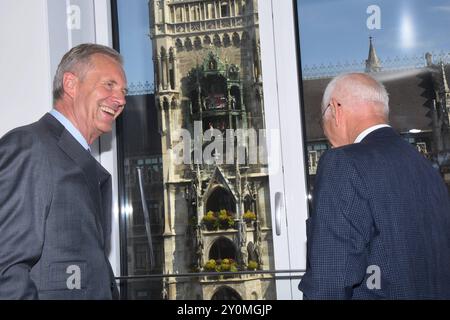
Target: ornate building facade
216,213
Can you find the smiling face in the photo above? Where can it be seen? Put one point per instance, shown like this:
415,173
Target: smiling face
98,96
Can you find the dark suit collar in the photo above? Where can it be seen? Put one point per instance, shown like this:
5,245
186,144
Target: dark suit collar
72,147
55,127
380,133
76,149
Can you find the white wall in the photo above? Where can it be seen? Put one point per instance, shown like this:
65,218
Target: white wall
34,35
25,80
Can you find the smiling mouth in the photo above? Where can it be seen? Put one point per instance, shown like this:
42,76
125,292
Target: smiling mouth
108,110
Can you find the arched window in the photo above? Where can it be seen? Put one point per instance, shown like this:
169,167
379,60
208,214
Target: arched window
163,53
171,69
236,40
248,204
179,14
220,199
195,13
240,7
224,9
235,98
222,248
188,44
166,103
179,44
197,43
217,41
211,11
174,102
226,40
226,293
207,40
172,14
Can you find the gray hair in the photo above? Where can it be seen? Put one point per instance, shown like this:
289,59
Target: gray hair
353,84
77,60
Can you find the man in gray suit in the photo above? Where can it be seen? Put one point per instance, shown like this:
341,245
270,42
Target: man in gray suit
55,198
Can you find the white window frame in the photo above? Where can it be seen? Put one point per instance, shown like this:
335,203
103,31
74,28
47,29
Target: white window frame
282,106
281,92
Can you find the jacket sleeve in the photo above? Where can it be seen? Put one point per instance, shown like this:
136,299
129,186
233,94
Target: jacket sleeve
338,230
24,203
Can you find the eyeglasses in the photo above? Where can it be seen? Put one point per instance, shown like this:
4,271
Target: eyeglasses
323,114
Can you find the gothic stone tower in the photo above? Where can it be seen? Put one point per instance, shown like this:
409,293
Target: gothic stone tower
208,76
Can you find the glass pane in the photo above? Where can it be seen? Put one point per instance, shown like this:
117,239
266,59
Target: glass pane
401,43
226,288
194,175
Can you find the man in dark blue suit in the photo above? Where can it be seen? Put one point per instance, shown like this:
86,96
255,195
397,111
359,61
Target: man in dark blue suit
380,227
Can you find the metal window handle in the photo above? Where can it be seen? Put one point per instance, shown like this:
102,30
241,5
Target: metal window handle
279,208
146,218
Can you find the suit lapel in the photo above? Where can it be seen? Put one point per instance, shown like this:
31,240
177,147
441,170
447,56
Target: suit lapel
97,178
106,201
88,166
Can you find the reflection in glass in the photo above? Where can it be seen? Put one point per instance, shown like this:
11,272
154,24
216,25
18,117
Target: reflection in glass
209,212
416,76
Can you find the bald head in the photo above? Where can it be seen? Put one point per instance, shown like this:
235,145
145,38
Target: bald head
353,102
358,89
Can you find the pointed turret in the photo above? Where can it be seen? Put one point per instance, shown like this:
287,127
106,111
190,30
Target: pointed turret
373,64
429,59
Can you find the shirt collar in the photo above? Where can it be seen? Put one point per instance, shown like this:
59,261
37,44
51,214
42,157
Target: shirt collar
363,134
70,127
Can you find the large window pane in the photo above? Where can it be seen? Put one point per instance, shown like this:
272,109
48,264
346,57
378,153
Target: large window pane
404,44
192,202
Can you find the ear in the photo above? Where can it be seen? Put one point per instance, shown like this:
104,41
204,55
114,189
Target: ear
70,82
336,112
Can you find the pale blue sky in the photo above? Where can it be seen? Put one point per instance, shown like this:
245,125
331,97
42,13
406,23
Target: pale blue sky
331,31
135,44
334,31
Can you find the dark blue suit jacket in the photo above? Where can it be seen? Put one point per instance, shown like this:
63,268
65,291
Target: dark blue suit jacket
380,228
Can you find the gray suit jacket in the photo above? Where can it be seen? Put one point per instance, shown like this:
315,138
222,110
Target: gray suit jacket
55,216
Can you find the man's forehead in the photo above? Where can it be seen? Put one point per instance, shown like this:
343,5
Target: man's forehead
99,59
109,63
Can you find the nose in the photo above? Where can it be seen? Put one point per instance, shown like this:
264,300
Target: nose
119,97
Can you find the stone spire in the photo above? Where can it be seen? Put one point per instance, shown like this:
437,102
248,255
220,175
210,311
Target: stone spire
373,64
429,59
